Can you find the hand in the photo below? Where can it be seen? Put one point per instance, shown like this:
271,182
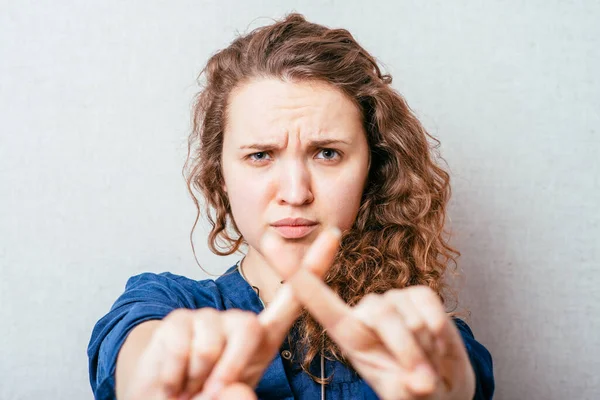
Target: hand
402,342
205,353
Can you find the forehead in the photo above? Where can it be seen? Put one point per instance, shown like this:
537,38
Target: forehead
268,107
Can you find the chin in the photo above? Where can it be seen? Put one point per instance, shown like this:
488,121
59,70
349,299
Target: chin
296,245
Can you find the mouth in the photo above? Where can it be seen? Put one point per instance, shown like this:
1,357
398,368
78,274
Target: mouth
294,228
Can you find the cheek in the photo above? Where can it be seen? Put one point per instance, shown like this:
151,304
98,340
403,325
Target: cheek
249,198
342,200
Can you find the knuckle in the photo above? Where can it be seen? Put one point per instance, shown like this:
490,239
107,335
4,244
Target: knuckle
374,307
421,291
173,342
438,323
237,313
208,353
250,323
178,315
369,300
387,308
164,336
429,295
245,321
383,309
208,341
234,315
207,312
392,294
206,323
415,324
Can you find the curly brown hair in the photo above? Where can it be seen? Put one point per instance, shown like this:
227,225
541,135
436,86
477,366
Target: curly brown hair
398,238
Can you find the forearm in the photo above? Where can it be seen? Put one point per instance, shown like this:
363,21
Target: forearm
130,353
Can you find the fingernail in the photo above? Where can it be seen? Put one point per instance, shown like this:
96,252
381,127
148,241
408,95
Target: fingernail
336,231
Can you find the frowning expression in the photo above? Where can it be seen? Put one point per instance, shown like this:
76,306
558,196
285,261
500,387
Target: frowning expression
295,160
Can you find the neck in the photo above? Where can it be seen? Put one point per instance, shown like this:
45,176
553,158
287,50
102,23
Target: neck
258,273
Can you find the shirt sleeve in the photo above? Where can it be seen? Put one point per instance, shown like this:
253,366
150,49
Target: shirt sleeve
146,297
481,360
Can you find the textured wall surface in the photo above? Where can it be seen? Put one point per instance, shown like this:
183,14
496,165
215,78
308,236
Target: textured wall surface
94,113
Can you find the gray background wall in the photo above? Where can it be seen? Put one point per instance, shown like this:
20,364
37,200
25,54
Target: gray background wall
94,113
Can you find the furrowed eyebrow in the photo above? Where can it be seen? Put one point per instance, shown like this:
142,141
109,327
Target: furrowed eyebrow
260,146
273,146
326,142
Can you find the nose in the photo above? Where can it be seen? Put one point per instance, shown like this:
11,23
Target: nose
294,184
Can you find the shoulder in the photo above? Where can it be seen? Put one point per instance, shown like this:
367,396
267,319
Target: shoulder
164,278
147,296
481,360
464,329
172,289
472,345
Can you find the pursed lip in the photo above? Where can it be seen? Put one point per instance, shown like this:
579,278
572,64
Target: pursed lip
294,222
294,228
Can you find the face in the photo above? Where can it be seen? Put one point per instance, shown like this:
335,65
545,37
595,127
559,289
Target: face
295,161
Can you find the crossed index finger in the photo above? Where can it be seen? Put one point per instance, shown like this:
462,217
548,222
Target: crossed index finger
323,303
276,319
285,308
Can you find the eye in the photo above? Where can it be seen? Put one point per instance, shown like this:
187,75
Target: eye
259,156
329,154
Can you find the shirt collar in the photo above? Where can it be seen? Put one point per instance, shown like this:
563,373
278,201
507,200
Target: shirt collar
237,291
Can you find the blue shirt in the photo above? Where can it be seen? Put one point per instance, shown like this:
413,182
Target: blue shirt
152,296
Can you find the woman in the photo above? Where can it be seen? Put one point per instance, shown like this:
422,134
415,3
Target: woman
305,154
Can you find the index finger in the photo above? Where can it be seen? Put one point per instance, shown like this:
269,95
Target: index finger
322,302
285,308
